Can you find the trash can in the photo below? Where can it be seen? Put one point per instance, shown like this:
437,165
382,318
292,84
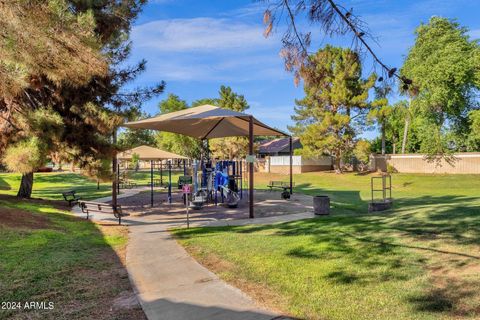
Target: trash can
321,205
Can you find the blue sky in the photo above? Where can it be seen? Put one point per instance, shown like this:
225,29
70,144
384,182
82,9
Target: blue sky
196,46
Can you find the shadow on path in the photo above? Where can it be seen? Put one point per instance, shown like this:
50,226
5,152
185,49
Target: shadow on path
166,309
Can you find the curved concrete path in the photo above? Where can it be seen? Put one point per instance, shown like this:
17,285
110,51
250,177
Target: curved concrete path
170,284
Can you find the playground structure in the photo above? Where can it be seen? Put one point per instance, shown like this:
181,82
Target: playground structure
384,202
206,122
213,181
222,177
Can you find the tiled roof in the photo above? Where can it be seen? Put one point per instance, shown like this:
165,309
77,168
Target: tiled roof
276,145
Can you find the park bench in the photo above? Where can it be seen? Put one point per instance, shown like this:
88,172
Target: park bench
126,184
279,185
283,185
70,197
100,207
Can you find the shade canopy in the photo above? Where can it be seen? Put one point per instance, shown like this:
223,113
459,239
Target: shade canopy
206,122
148,154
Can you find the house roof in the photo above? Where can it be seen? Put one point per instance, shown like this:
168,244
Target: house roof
206,122
148,153
276,145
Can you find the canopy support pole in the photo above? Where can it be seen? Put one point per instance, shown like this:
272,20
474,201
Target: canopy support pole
169,181
291,165
151,183
250,168
114,169
161,173
241,179
118,178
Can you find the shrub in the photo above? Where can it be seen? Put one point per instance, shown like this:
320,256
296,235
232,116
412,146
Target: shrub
362,151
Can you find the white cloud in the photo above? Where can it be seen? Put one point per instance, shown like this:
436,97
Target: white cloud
207,49
252,9
222,69
200,35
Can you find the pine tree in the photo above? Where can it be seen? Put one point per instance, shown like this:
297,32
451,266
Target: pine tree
335,100
68,69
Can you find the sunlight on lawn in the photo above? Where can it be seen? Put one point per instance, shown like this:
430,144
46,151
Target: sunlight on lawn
51,185
419,261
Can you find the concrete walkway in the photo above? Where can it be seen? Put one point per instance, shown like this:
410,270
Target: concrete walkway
170,284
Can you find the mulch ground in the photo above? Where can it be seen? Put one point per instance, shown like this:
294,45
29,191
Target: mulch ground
58,204
18,218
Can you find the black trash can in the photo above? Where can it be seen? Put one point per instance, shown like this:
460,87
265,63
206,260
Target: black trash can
321,205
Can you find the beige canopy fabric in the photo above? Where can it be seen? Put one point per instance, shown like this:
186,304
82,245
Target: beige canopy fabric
148,153
206,122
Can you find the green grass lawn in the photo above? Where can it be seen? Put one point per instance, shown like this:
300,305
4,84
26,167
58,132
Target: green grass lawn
418,261
51,185
46,255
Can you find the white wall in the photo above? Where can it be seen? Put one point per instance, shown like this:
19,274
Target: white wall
300,161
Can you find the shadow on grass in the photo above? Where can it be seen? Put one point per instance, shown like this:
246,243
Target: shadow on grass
4,185
346,201
61,178
449,298
342,277
66,261
453,219
370,250
302,252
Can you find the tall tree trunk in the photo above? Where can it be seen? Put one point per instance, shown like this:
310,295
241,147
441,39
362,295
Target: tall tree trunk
337,164
405,134
405,129
383,138
26,186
